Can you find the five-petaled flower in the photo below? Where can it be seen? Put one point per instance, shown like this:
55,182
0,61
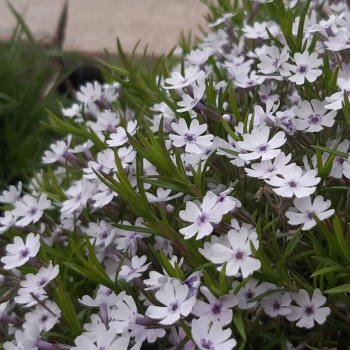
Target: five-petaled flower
174,297
294,182
190,136
308,310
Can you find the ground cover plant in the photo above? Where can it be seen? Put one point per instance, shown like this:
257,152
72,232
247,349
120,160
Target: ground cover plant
199,204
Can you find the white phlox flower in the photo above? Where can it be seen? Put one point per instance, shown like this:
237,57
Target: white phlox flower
305,209
74,111
229,203
259,30
162,196
124,315
7,221
135,270
12,195
26,339
312,117
249,291
177,81
119,138
339,42
45,318
294,182
20,252
45,275
272,59
103,233
202,216
211,336
269,168
31,209
258,144
308,310
190,136
189,101
29,299
141,332
305,68
128,239
105,339
346,168
174,297
238,255
339,162
58,151
217,309
277,304
104,196
79,193
105,162
107,121
199,57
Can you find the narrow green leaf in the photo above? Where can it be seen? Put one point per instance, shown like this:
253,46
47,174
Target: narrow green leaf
238,321
300,33
331,151
233,103
222,279
338,231
329,269
345,288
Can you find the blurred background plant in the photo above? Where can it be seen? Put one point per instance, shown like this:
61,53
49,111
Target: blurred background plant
32,79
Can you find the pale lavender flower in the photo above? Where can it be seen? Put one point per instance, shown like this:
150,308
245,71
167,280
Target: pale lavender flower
308,310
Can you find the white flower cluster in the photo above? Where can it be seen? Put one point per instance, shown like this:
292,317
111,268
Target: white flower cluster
202,214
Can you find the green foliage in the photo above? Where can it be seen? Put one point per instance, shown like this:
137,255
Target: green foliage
29,80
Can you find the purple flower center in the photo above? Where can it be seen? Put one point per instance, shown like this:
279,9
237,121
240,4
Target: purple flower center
207,344
314,119
309,310
216,309
292,184
104,234
302,69
42,282
174,306
287,123
249,294
202,219
239,255
263,148
108,292
275,62
340,160
190,138
310,214
32,211
276,305
24,253
44,318
78,197
132,271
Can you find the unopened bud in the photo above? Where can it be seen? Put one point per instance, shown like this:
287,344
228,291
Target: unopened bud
170,208
226,117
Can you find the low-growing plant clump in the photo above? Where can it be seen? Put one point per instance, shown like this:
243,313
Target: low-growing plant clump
203,203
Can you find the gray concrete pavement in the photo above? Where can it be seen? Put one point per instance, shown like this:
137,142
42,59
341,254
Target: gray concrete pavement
93,25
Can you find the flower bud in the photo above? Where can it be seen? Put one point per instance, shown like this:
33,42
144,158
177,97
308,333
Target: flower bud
226,117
